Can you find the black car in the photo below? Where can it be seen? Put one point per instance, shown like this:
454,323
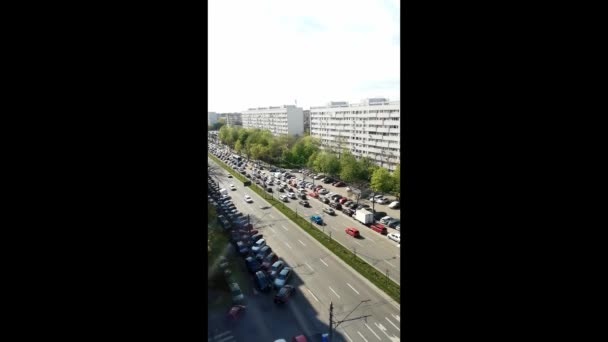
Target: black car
261,281
379,215
336,205
284,294
304,203
348,212
324,200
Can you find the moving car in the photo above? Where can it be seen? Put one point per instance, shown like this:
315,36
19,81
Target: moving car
282,278
232,187
304,203
284,294
379,228
316,219
354,232
395,237
335,205
394,205
330,211
291,195
236,312
284,198
248,199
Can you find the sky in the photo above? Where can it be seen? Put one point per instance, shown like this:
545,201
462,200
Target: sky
276,52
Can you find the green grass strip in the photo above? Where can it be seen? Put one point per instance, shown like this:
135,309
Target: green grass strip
365,269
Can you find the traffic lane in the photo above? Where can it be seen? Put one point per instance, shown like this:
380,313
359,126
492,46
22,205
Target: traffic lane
316,283
325,278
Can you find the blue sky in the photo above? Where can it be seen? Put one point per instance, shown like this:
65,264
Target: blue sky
273,52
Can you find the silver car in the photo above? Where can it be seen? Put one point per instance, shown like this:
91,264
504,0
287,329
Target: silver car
282,277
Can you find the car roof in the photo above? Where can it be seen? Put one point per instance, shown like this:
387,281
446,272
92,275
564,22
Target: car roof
285,270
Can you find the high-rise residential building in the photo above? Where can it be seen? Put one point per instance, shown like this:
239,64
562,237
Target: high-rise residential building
287,119
211,118
307,120
368,129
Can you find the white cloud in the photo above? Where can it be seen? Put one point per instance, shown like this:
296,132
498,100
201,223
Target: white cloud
272,52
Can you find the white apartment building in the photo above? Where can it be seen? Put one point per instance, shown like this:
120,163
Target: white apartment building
286,119
369,129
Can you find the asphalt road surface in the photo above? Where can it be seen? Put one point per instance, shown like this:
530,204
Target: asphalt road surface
320,277
373,247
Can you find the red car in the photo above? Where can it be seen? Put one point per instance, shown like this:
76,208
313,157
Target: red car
354,232
300,338
236,312
313,194
379,228
343,199
319,186
339,184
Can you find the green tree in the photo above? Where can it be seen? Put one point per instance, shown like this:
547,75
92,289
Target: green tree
382,181
397,181
348,167
366,169
332,164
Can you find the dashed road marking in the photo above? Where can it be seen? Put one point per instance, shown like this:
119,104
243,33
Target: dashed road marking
396,317
332,290
392,323
309,267
389,263
272,229
363,337
370,329
301,243
288,245
312,295
383,329
350,339
324,262
358,244
222,334
372,240
349,285
284,228
270,215
227,338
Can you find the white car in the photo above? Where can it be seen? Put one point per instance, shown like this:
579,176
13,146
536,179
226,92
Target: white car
394,205
385,219
323,191
329,210
383,200
248,199
395,237
283,198
232,187
282,277
292,195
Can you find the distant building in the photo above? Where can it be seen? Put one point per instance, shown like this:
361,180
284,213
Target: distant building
307,120
231,119
287,119
369,129
211,118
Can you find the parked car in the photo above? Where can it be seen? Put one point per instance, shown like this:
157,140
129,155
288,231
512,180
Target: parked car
313,194
379,215
328,210
394,223
382,200
343,200
354,232
379,228
276,268
261,281
339,184
304,203
236,312
282,278
347,211
284,294
252,265
258,245
284,198
335,205
237,295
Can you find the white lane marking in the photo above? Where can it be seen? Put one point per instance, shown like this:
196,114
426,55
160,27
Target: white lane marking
370,329
396,317
383,329
272,229
309,267
389,263
358,244
312,295
350,339
370,239
396,305
362,336
392,323
284,228
227,338
349,285
271,215
324,262
288,245
332,290
222,334
302,243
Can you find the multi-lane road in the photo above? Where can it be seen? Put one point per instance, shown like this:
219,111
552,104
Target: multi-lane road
376,249
321,277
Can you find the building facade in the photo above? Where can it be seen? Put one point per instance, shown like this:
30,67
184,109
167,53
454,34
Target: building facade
286,119
231,119
307,121
369,129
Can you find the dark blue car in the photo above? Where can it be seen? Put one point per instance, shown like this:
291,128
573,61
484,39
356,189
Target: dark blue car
252,265
317,219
